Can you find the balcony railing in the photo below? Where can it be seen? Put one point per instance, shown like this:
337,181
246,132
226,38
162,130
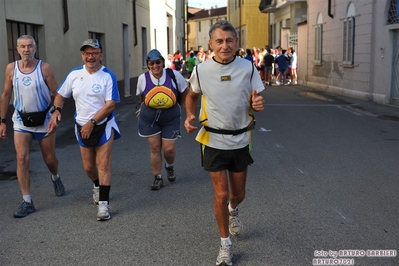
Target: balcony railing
271,6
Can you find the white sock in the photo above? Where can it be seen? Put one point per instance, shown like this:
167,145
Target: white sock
231,209
55,177
168,165
226,239
27,198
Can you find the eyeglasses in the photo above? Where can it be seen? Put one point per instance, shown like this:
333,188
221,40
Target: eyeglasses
151,63
92,53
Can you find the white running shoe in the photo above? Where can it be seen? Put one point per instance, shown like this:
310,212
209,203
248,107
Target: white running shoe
235,225
225,254
103,211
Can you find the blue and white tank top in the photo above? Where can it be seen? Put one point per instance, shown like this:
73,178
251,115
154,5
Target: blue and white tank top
31,94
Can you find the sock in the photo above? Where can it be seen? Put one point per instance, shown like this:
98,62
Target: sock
55,177
168,165
96,182
27,198
230,208
104,193
226,239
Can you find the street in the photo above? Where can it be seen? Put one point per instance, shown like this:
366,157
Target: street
323,188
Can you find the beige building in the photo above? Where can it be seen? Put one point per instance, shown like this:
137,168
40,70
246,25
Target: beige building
251,25
198,24
124,28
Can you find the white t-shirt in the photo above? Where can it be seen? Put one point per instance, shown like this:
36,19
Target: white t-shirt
90,91
226,95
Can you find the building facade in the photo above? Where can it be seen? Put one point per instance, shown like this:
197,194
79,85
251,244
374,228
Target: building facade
125,29
198,26
251,25
348,47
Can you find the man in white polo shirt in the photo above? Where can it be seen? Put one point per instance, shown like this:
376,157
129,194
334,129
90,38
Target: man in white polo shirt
95,91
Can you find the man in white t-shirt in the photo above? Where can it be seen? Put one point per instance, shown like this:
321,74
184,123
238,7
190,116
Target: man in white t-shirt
95,91
229,87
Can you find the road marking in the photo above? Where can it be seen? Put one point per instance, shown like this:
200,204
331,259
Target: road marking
264,129
355,111
302,171
343,216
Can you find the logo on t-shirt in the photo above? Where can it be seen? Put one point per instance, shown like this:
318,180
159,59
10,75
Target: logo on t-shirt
96,88
26,81
225,78
160,97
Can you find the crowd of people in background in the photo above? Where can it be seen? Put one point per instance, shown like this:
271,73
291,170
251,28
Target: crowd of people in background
275,66
193,58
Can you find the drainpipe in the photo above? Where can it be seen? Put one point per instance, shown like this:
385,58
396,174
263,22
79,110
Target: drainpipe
134,23
66,19
329,9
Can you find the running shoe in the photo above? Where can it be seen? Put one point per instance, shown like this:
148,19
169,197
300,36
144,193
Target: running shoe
171,173
103,211
58,187
158,183
225,254
235,225
24,209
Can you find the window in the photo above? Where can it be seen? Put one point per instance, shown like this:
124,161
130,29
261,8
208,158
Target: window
348,36
16,29
393,12
318,40
349,25
199,26
101,39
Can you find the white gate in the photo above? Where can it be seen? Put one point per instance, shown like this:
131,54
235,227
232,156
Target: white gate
293,41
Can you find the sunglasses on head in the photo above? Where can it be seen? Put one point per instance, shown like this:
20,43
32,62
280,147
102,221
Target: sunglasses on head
151,63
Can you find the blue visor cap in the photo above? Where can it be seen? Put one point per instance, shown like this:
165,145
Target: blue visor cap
154,55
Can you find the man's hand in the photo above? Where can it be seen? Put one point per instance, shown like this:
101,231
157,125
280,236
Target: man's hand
3,131
53,124
258,103
188,124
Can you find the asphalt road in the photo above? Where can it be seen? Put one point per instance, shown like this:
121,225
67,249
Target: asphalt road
325,180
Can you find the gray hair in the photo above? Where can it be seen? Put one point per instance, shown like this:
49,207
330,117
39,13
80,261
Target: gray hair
223,25
26,37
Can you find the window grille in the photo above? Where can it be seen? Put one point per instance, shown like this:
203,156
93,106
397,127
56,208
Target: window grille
318,43
293,40
393,12
348,41
14,30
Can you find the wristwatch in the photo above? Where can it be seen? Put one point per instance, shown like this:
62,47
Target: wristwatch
53,108
93,121
3,120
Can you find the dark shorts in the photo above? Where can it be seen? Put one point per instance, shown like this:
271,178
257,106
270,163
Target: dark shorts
160,121
214,160
268,70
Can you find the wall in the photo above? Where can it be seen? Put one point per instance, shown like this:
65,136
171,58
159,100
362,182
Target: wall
370,76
